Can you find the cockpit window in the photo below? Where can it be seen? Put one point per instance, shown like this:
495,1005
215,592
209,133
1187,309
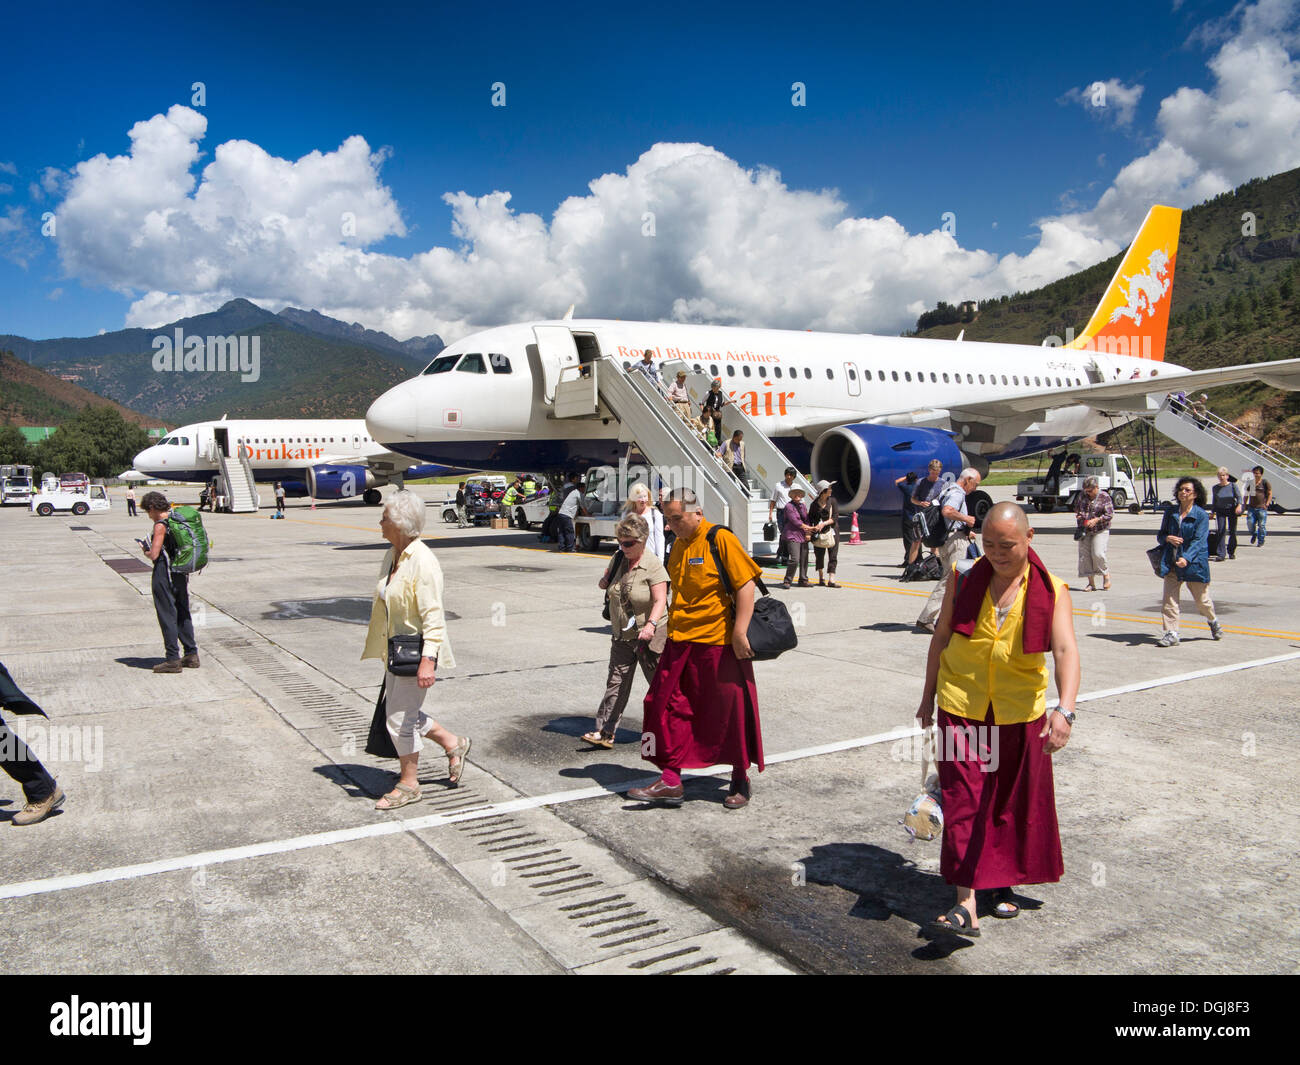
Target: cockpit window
500,363
183,440
472,363
442,364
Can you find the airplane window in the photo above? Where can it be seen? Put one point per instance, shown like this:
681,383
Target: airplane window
745,371
698,368
762,371
472,363
1015,380
970,380
853,374
932,377
945,379
777,371
499,363
442,364
713,370
866,375
807,372
185,440
731,371
1038,382
830,376
627,365
1004,379
907,375
894,374
981,378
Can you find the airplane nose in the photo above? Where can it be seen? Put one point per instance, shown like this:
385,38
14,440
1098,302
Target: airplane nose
394,416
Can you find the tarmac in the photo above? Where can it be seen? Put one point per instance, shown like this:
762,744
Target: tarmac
221,820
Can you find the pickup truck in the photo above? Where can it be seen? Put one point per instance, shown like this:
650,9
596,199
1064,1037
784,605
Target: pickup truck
1065,476
46,503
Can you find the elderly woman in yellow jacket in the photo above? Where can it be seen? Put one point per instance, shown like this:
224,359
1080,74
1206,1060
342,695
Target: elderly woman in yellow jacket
408,601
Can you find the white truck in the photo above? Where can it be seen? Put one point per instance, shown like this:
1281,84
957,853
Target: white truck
46,503
604,494
15,485
1066,474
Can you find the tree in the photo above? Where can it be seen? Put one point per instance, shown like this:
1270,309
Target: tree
13,447
98,441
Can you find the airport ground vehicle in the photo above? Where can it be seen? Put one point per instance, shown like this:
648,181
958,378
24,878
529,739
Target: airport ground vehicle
483,497
1065,477
604,494
15,485
93,499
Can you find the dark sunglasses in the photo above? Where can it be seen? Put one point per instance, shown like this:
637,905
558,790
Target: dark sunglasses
628,543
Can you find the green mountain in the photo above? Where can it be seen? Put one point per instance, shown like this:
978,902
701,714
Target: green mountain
1236,300
30,396
308,365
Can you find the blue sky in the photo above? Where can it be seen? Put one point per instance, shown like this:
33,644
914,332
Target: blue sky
912,111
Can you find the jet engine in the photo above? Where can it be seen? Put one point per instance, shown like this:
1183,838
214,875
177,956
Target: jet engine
865,459
338,482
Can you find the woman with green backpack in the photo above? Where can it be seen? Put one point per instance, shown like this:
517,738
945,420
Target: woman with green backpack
173,561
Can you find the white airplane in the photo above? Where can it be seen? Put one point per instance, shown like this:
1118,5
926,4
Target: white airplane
324,458
859,410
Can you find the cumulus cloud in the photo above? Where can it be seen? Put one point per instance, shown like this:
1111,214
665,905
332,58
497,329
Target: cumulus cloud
683,232
1108,101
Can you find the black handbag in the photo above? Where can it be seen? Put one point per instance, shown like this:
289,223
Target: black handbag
769,531
379,742
611,575
404,654
771,630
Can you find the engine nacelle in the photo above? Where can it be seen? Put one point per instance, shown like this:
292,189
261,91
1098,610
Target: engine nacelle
294,489
865,460
338,482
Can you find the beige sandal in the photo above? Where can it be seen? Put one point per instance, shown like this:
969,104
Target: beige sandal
461,751
597,740
401,795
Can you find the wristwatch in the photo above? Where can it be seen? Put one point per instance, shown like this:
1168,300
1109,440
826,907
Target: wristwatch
1067,714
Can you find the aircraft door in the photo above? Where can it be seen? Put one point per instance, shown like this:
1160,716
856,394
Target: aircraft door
205,447
222,435
556,350
851,379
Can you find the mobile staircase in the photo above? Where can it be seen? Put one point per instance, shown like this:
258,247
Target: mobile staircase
237,475
1224,444
680,455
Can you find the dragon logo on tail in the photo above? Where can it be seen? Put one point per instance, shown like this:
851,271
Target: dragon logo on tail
1144,291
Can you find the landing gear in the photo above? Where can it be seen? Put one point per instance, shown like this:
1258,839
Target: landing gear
371,497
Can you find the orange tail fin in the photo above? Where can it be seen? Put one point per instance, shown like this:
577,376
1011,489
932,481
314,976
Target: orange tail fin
1133,315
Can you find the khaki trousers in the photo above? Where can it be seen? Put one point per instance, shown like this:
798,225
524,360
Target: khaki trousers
949,555
1200,593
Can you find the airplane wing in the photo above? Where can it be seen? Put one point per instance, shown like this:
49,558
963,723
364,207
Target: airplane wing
1119,396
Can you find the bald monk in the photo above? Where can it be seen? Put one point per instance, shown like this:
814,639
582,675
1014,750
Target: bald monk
987,673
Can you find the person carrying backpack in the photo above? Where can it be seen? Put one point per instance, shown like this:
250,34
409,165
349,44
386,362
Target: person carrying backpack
178,547
951,537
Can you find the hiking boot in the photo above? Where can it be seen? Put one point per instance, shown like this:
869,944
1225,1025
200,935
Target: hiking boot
1169,639
170,665
190,661
1216,630
39,811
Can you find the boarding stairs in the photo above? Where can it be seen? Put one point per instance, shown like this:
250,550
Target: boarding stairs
680,455
1224,444
241,488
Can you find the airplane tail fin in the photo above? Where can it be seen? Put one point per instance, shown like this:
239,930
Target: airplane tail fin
1133,315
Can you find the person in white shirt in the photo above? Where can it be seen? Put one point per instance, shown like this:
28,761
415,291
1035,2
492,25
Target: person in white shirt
780,497
647,367
680,397
564,517
638,503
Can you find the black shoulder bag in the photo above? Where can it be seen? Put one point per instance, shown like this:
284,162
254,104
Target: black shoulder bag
771,631
611,575
404,651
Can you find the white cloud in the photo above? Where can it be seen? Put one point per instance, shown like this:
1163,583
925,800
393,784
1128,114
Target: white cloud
730,244
1109,101
8,168
18,244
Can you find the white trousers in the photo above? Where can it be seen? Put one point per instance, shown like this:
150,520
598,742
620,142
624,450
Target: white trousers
407,723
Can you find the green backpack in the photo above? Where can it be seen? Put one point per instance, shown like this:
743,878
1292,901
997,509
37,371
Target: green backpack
190,539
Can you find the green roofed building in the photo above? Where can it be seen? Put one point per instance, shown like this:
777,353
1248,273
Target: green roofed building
34,434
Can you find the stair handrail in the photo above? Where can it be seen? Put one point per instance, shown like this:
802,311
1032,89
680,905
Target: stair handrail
1233,432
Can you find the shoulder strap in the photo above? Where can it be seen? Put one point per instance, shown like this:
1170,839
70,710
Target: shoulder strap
712,536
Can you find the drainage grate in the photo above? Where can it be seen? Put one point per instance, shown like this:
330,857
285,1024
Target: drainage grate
127,565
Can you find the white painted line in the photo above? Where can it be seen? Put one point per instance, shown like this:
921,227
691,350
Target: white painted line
1179,678
531,802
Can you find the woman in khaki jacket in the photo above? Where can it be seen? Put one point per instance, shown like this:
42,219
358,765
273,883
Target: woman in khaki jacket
408,600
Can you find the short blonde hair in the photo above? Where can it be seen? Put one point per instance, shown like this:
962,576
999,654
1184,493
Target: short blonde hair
634,526
637,491
1223,471
406,510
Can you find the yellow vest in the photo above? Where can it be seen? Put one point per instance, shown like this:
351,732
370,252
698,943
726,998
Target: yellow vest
413,604
989,667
